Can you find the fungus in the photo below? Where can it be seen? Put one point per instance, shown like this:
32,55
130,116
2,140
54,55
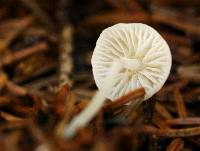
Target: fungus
126,57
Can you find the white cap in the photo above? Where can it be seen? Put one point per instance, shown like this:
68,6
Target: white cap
144,57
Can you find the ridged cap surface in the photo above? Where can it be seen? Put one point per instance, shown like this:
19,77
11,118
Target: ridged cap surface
143,55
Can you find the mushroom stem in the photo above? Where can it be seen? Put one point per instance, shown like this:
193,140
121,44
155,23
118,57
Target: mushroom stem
131,64
94,106
85,116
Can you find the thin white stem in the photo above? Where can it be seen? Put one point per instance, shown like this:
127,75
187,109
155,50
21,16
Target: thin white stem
85,116
94,106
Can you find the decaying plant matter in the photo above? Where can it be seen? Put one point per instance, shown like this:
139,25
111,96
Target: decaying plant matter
39,96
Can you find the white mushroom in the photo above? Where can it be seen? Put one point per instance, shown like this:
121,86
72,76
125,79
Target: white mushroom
126,57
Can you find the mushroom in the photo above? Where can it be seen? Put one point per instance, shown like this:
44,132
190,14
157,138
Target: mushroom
126,57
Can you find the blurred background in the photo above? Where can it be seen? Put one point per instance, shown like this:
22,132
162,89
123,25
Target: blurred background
45,44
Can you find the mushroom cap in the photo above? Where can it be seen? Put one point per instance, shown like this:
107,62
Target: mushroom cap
142,56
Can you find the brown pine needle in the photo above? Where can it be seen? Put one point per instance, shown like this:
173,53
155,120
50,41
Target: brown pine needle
180,103
159,121
186,132
114,17
11,29
24,53
183,121
16,89
61,98
68,113
38,12
131,96
11,118
163,111
176,145
170,17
